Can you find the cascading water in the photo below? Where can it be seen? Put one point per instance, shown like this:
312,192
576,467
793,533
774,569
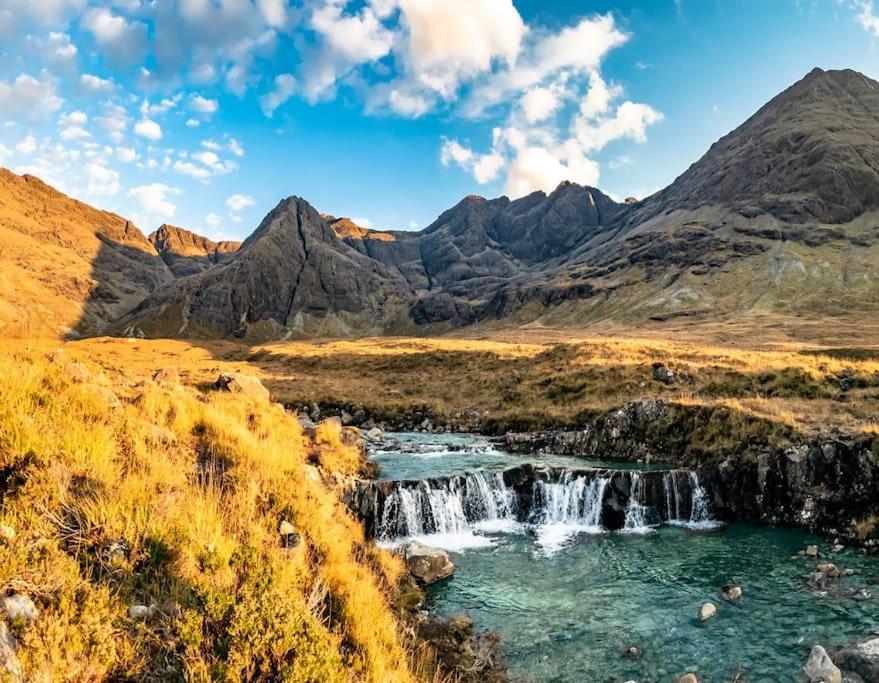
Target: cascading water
697,514
453,508
564,508
637,509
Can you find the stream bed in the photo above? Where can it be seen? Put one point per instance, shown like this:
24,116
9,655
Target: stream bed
569,599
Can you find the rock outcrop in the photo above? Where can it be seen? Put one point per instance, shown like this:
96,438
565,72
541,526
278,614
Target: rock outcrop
187,253
428,565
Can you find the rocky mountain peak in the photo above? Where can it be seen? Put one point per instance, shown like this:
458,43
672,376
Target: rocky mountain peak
810,154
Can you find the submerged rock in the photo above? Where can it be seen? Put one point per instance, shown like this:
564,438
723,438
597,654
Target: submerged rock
427,564
687,678
633,652
707,611
819,668
812,551
731,593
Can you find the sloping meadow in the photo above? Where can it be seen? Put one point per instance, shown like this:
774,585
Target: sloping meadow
145,525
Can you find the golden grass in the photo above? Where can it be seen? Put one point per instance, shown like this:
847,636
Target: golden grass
172,499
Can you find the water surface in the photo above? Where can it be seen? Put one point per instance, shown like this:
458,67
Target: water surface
569,599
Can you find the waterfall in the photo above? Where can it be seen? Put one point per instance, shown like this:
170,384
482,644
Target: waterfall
698,513
637,509
571,500
456,506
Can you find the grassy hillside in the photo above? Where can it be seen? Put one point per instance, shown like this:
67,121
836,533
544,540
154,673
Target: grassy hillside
143,521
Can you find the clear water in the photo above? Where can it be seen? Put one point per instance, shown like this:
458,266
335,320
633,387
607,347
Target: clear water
568,600
422,456
569,616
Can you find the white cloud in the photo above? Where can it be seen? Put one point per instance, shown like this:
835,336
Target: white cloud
539,103
544,141
114,122
202,105
100,179
235,147
74,133
284,87
363,222
96,84
27,145
4,153
59,47
239,202
148,129
867,17
28,97
213,220
211,145
192,170
630,121
154,199
147,109
126,155
213,162
74,118
192,123
121,41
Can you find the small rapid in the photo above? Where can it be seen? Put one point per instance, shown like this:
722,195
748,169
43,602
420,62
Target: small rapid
552,504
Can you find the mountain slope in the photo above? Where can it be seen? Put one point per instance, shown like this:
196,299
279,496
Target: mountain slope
65,267
291,276
809,155
186,253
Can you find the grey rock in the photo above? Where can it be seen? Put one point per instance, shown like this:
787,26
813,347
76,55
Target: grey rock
861,659
239,383
428,565
20,607
9,661
819,668
731,593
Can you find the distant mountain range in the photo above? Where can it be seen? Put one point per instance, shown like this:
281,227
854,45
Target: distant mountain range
781,216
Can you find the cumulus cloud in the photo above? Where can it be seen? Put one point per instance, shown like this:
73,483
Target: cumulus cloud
96,84
284,87
126,155
560,112
155,199
28,97
100,179
866,16
239,202
213,220
27,145
121,41
114,121
148,129
203,106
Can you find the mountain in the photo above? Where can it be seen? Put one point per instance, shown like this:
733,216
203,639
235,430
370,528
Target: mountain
186,253
291,276
779,218
65,267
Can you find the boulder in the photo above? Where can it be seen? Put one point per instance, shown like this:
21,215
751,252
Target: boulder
819,668
830,570
861,659
8,657
427,564
20,607
707,611
140,612
289,536
731,593
375,434
167,378
239,383
687,678
812,551
662,373
306,423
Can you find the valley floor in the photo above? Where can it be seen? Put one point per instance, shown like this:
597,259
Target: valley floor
534,378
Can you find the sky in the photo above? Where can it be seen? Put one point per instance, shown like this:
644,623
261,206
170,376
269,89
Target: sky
206,113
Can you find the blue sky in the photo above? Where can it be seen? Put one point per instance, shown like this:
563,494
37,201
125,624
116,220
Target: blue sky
205,113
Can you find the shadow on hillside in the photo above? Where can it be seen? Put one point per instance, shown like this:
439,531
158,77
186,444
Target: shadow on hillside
122,276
